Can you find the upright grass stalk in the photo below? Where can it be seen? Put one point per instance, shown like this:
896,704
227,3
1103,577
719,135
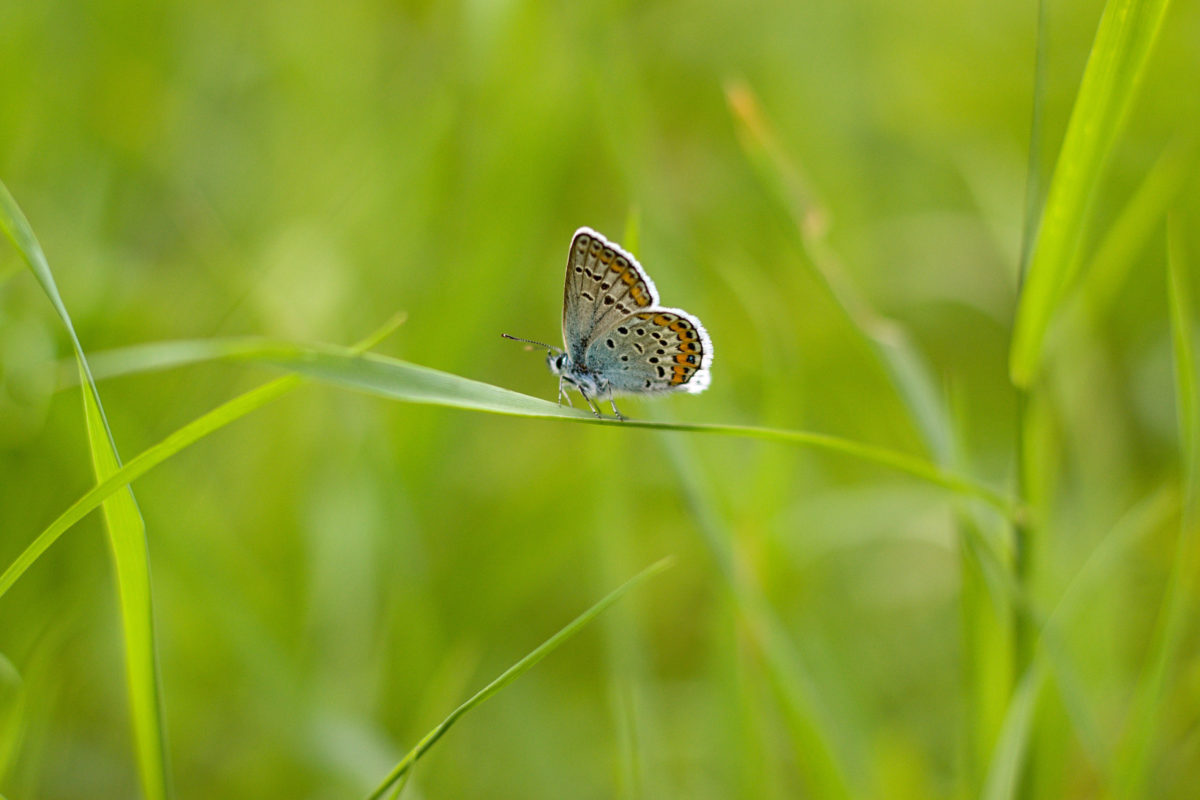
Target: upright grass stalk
1116,64
986,642
1143,731
126,532
1012,756
1125,39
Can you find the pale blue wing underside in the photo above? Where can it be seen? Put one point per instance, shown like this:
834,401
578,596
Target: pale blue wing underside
650,352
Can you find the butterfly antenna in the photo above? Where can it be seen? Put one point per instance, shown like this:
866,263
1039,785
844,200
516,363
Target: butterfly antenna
551,348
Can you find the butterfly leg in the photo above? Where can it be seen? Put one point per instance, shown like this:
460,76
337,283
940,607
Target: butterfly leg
562,394
616,413
595,408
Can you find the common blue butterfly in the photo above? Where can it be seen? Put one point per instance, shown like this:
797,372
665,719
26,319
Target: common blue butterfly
617,338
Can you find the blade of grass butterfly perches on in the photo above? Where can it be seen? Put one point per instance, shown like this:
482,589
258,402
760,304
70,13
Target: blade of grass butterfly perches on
399,380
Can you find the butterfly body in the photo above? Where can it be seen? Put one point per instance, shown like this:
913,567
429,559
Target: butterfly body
617,339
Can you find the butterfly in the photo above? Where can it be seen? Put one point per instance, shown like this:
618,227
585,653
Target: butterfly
617,339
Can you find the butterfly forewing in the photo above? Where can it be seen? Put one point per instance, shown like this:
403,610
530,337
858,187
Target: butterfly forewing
656,350
604,284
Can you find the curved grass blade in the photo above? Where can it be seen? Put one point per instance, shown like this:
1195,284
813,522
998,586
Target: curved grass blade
512,673
904,364
195,430
126,532
399,380
1124,40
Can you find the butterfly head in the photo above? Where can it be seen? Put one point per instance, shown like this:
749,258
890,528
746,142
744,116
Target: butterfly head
557,362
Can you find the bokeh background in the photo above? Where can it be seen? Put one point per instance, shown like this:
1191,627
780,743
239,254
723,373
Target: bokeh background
335,573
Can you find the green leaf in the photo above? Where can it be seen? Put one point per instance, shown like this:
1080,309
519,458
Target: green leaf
189,434
400,380
512,673
12,714
904,364
127,537
1124,41
126,532
1138,746
1005,772
1138,223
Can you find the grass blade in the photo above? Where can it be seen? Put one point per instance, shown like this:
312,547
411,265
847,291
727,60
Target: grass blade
814,713
195,430
127,537
905,366
12,715
1134,761
1139,221
512,673
400,380
1125,38
126,532
1005,772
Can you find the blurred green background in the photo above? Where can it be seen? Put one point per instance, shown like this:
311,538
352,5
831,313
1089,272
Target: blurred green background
335,573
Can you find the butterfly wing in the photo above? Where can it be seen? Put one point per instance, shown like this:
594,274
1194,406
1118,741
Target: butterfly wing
652,351
604,285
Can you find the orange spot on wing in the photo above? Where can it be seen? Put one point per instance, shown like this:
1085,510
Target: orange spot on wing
662,319
629,277
689,347
679,326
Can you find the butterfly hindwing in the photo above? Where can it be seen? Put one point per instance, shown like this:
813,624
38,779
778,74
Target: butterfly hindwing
651,351
604,284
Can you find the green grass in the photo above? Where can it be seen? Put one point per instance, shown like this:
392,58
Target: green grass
933,526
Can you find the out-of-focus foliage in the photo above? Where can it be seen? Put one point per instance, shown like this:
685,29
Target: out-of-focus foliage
335,573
